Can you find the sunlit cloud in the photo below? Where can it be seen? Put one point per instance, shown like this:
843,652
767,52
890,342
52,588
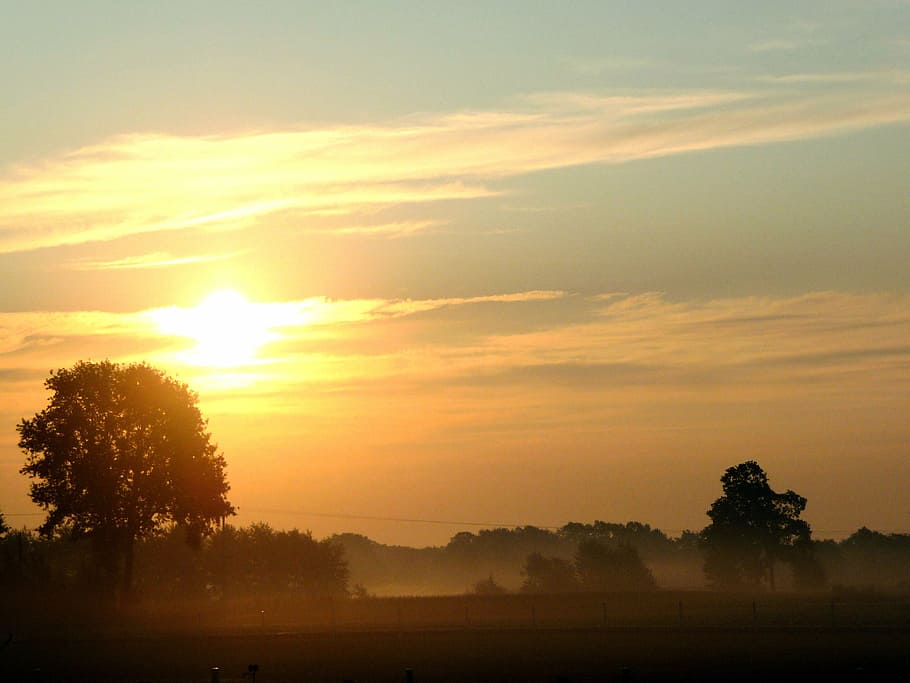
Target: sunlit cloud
158,259
385,230
157,182
745,347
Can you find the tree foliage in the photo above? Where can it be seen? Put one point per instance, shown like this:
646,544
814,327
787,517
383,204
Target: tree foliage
618,567
752,528
548,575
119,452
488,586
644,538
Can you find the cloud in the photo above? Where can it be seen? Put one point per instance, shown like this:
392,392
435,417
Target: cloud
894,76
783,45
384,230
158,259
587,66
150,182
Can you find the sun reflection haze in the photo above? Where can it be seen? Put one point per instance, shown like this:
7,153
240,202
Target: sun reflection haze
229,330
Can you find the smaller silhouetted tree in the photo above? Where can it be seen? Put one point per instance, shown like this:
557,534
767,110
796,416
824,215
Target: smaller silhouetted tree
548,575
602,567
808,572
752,528
488,586
3,527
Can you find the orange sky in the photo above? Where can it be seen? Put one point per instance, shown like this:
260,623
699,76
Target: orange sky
568,275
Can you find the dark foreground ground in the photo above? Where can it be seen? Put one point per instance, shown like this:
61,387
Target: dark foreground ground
581,638
529,654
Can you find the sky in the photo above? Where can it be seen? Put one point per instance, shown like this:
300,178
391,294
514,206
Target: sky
436,266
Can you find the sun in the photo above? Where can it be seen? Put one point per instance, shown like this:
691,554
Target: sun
228,330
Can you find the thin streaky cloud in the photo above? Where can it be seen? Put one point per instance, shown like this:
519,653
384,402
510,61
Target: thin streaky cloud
386,230
889,76
616,347
784,45
158,259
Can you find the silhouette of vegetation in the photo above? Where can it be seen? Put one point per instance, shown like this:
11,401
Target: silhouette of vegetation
259,559
647,540
488,586
602,567
752,528
548,575
243,562
3,527
868,559
119,452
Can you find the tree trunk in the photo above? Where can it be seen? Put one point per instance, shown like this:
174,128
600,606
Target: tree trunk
126,587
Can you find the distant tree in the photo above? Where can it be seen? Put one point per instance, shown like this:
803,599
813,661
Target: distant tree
488,586
360,592
119,452
548,575
647,540
603,567
808,572
262,560
3,528
872,558
752,527
688,541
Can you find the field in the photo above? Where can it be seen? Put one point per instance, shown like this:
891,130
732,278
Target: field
503,639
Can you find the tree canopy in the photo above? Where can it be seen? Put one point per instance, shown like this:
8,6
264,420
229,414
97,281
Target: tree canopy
119,452
616,567
752,527
548,575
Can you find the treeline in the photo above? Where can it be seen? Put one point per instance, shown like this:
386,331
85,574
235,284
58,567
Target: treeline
258,560
533,559
232,562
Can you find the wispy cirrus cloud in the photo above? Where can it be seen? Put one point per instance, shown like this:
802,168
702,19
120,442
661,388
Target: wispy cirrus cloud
156,182
382,230
158,259
784,45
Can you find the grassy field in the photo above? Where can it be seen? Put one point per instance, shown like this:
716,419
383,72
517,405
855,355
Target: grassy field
511,638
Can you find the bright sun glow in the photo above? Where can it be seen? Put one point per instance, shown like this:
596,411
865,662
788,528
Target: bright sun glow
229,330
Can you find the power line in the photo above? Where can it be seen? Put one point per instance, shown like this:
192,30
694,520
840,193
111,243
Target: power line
22,514
410,520
453,522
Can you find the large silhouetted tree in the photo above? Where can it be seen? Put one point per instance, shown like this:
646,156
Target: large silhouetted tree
120,451
752,527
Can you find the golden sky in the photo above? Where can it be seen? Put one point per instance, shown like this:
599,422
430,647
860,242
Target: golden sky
570,274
